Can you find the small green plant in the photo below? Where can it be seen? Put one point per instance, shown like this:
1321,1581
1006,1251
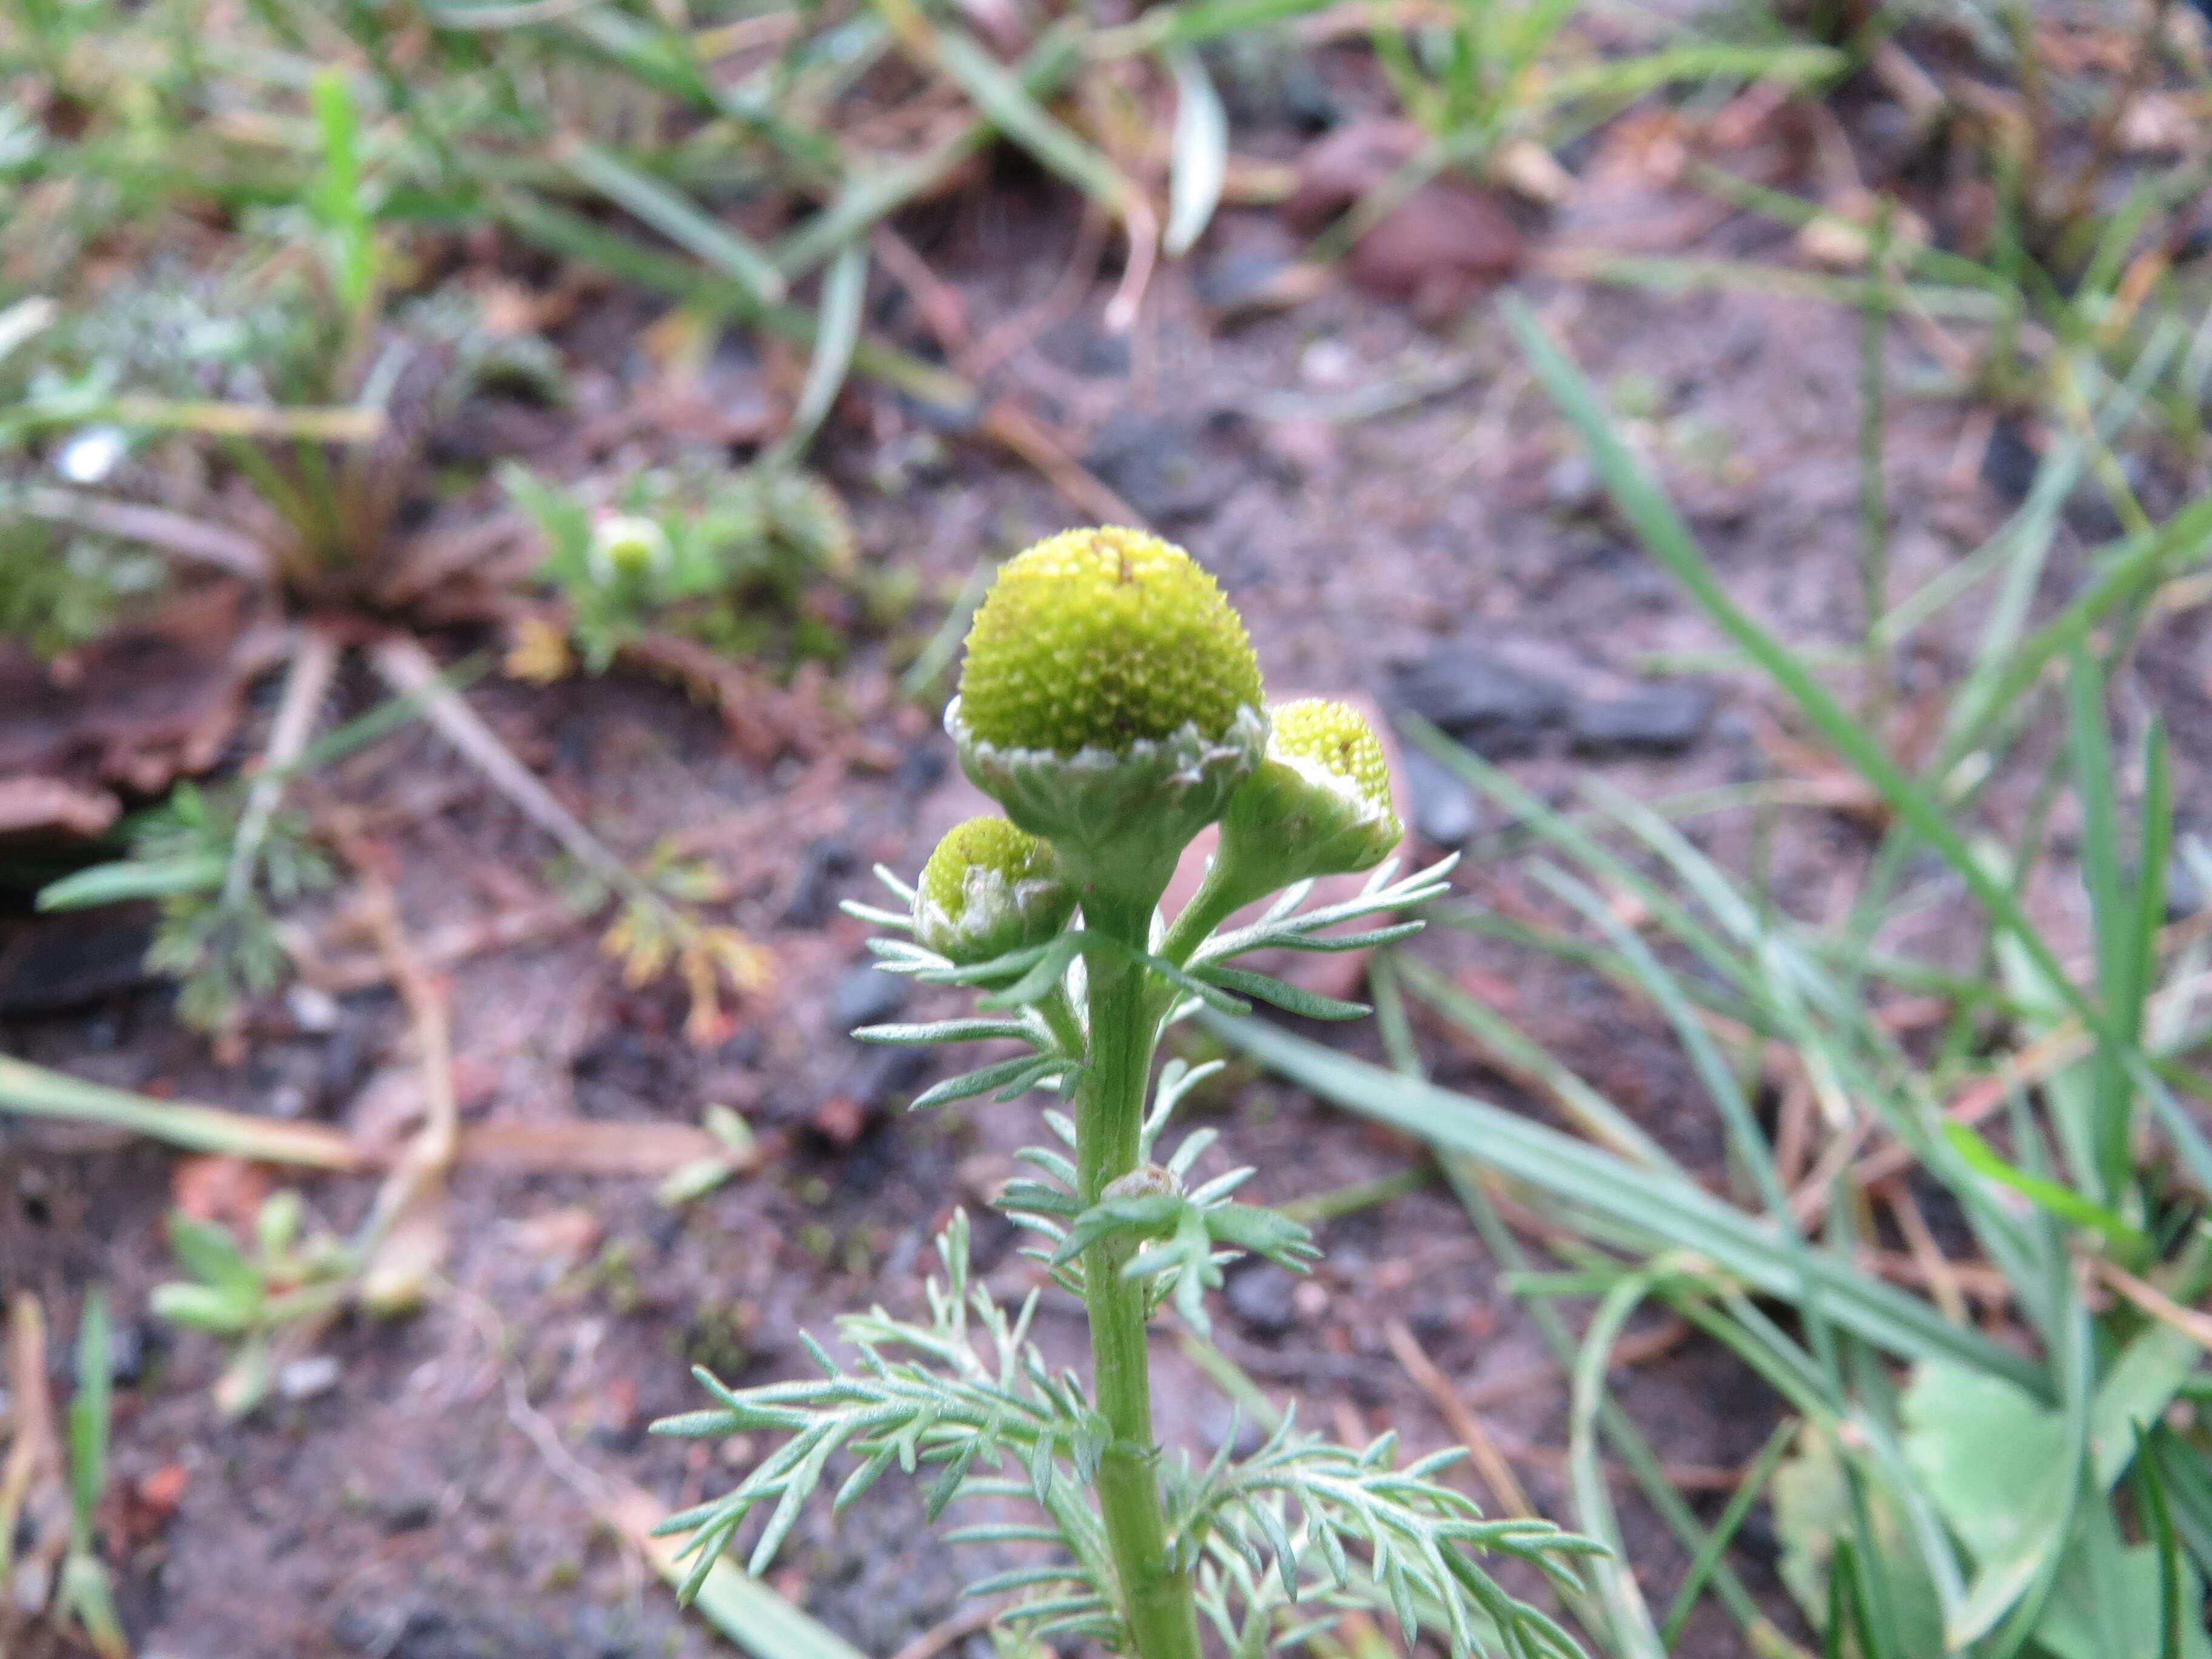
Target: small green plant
1112,704
247,1297
60,590
724,558
218,891
50,1487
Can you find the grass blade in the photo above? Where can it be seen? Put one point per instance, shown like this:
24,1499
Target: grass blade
1200,153
1668,1212
35,1091
1667,538
679,219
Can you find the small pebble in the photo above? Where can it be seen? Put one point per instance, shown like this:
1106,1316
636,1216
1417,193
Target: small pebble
313,1011
1443,809
308,1377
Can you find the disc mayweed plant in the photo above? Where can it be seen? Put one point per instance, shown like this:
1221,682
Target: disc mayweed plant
1111,704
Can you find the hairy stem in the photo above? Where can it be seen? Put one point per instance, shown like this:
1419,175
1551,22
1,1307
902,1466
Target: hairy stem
1109,1112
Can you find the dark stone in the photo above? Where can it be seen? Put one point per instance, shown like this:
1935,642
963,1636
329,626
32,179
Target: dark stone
1240,278
344,1065
61,962
1493,707
433,1633
953,420
2089,509
1307,103
887,1071
1102,353
287,1077
372,1630
618,1436
407,1511
865,995
821,861
2010,460
919,768
1260,1294
1169,467
133,1346
1666,720
1445,812
741,1048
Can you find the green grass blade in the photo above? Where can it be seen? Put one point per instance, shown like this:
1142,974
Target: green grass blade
681,221
134,879
837,332
2055,1196
1667,538
1628,1616
1669,1212
1724,1531
35,1092
89,1410
1599,1118
1010,108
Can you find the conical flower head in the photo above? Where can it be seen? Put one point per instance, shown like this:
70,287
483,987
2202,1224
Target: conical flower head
990,887
1317,804
1097,639
1110,702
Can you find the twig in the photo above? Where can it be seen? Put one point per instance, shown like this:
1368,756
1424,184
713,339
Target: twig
31,1418
1985,1283
1025,324
402,1239
2082,189
941,307
35,1091
315,663
1943,1281
943,1634
1489,1462
2196,1326
407,668
1009,423
446,946
153,527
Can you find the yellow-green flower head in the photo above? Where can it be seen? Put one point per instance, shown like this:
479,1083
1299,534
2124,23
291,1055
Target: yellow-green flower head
1318,804
989,888
1097,639
1111,704
1332,746
626,544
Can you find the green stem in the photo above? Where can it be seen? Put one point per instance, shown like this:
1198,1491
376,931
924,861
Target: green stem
1223,892
1109,1112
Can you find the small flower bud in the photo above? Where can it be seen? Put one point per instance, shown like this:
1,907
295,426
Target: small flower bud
1317,804
989,888
627,546
1110,702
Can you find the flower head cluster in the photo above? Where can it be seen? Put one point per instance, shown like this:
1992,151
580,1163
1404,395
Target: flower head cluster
1111,702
